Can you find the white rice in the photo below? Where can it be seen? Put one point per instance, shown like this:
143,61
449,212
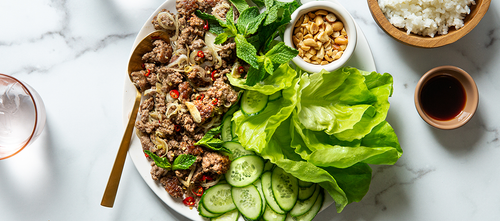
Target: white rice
426,17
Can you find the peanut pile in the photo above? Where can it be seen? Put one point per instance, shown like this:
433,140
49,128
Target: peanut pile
319,37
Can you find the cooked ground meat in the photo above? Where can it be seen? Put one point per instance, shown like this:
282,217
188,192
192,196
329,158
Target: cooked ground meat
170,78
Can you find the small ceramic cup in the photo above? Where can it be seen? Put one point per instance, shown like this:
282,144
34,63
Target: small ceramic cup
343,15
436,78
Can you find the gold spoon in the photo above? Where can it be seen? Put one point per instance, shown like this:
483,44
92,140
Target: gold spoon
134,64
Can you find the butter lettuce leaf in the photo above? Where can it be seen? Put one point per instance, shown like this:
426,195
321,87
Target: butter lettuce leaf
326,129
344,103
282,78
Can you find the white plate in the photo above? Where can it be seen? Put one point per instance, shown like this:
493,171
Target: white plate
361,59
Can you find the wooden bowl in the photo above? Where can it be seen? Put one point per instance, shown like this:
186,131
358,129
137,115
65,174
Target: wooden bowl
470,21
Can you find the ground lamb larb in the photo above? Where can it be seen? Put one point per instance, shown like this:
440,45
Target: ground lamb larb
178,76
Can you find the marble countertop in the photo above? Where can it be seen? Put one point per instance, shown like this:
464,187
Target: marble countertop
74,53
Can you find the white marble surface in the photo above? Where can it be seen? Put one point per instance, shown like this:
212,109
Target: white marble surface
74,53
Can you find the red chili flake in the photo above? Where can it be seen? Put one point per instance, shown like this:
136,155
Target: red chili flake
177,128
174,94
206,27
146,155
206,178
215,101
189,201
200,97
241,69
201,54
198,191
213,74
147,73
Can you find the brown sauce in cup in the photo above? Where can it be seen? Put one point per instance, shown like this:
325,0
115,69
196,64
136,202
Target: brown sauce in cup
443,97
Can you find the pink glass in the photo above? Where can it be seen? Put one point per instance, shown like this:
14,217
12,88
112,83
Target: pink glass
22,116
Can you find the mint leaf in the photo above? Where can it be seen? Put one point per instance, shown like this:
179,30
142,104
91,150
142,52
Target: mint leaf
209,141
213,23
241,5
159,161
183,162
281,53
272,15
255,75
249,21
222,37
246,51
259,3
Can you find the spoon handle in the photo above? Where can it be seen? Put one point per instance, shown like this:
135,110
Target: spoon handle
108,199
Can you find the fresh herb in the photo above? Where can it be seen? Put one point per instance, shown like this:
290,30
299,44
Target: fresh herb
211,142
182,162
254,35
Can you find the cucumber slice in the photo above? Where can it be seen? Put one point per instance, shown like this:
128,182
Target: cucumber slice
226,133
237,150
253,102
285,188
270,215
258,184
302,206
306,192
277,95
309,215
268,193
229,216
247,200
218,199
305,183
226,130
205,213
233,130
245,170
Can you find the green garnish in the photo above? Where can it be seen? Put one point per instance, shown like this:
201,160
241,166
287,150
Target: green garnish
254,35
182,162
209,140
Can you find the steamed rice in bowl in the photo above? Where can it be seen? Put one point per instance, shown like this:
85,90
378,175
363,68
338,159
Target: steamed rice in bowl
426,17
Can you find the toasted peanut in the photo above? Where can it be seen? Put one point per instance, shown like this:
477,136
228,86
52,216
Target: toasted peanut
318,20
343,32
321,12
330,17
300,36
312,51
329,53
299,22
321,53
341,40
306,59
318,45
309,42
324,63
306,19
311,15
314,28
323,37
337,26
309,55
338,55
328,28
304,47
308,36
301,52
328,58
297,30
336,34
296,40
343,47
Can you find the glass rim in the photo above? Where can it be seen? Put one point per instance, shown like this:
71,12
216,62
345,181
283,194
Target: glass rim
26,89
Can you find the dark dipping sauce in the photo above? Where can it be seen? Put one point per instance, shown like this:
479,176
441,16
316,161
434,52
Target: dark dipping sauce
443,97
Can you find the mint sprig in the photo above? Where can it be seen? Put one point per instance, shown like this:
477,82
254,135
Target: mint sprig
254,35
182,162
